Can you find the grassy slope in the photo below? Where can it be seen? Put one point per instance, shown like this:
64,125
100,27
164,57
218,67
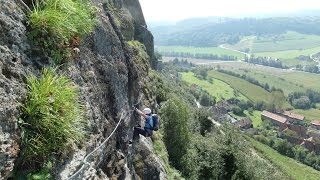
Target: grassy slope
200,50
288,81
253,92
217,89
290,166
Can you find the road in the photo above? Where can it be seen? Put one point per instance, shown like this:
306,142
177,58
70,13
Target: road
244,53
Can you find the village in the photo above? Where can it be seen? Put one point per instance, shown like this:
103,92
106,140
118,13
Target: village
291,126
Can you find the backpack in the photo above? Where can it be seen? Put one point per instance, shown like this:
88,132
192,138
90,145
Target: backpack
156,122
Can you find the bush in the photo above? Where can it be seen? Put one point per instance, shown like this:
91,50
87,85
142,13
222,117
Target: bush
52,120
56,22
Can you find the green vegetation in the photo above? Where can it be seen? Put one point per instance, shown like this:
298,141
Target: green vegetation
290,43
142,53
287,80
199,50
252,92
175,116
52,119
293,168
289,54
44,173
217,88
59,24
211,152
255,116
161,151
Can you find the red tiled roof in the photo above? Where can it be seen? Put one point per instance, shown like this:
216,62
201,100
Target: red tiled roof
274,116
293,115
316,122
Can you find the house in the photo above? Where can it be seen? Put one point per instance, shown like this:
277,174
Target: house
315,124
294,118
244,123
274,118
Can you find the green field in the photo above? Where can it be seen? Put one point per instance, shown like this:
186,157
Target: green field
310,114
255,117
288,57
289,54
287,41
200,50
287,80
218,89
251,91
290,166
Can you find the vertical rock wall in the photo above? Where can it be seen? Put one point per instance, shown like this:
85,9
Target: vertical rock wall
110,75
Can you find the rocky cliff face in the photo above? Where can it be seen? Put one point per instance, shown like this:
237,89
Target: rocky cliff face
111,75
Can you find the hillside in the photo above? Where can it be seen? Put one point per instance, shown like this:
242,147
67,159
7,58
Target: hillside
230,31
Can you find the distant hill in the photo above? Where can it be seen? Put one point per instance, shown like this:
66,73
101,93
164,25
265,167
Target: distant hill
213,31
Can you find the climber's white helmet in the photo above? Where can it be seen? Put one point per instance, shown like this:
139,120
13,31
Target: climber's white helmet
147,110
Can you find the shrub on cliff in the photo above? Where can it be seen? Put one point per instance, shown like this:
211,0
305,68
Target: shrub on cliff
52,120
57,23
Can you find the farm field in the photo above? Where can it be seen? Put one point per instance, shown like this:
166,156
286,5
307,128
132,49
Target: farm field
290,166
200,50
218,89
287,80
287,41
251,91
289,54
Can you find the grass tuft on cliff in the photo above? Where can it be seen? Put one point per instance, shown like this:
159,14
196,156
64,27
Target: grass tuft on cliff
57,22
52,120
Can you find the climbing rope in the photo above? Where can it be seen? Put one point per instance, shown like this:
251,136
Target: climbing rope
85,159
85,162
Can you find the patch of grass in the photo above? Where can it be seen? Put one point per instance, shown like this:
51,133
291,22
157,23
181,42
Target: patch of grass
255,116
52,119
251,91
290,166
199,50
142,52
44,173
55,22
218,89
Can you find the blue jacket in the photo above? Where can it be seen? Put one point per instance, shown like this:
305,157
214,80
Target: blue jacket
149,125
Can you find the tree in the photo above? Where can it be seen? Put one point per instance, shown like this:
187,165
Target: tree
205,124
204,73
175,115
206,99
237,110
277,101
302,103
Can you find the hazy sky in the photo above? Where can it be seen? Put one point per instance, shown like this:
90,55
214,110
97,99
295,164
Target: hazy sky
172,10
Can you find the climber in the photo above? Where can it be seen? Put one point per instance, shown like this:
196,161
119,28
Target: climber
148,127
